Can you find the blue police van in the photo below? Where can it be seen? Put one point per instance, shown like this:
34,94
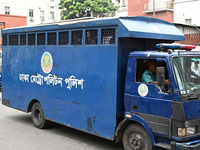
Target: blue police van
86,74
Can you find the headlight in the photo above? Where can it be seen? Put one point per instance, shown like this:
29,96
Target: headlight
186,131
190,131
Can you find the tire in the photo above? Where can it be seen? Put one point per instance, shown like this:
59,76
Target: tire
135,137
37,116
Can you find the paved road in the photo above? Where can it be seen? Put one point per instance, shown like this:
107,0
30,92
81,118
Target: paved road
18,133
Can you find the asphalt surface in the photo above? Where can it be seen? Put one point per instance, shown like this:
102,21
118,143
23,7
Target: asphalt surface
17,132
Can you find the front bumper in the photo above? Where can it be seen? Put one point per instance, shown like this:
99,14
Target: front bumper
192,145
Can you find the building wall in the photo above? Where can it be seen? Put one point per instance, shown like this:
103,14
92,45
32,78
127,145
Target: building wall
9,21
22,7
2,24
164,15
192,34
12,21
184,10
163,10
136,8
123,7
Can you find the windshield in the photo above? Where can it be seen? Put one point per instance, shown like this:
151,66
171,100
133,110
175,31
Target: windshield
187,72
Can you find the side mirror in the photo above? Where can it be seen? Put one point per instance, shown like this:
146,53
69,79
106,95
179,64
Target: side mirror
160,74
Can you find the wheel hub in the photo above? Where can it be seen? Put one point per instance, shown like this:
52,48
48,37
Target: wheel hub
37,116
136,141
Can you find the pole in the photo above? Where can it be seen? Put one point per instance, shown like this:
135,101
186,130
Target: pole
154,15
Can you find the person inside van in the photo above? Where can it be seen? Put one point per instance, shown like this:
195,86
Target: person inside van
149,75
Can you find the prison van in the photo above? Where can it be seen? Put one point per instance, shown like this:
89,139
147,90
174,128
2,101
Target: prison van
86,74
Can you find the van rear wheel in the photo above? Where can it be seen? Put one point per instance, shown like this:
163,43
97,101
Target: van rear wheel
136,138
37,116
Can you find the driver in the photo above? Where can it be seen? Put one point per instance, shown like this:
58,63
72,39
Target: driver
149,75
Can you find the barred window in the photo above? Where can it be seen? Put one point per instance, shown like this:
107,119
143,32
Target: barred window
23,39
76,37
51,38
41,39
64,38
31,39
4,40
108,36
13,39
91,36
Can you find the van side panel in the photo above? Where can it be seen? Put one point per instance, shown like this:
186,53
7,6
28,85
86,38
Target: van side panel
82,94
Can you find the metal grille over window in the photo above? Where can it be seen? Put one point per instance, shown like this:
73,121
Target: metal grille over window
23,39
52,38
4,39
63,38
41,39
108,36
91,37
13,39
31,39
76,37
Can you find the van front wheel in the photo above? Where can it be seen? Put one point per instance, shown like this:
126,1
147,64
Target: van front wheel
136,138
37,116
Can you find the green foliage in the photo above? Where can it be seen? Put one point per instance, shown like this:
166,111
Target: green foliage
83,8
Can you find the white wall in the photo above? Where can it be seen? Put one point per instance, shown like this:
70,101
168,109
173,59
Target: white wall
21,7
197,48
123,7
187,9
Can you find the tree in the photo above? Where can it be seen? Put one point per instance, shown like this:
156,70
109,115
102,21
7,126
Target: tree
71,9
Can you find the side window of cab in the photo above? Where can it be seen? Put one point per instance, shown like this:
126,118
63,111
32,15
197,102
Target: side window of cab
141,68
146,72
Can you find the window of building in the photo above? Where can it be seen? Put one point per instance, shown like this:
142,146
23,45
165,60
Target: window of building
30,12
7,10
158,4
41,15
52,15
188,21
123,2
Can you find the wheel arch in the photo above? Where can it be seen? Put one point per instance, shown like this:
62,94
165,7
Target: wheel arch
134,120
31,104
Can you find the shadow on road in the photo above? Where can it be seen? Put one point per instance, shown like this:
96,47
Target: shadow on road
61,130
